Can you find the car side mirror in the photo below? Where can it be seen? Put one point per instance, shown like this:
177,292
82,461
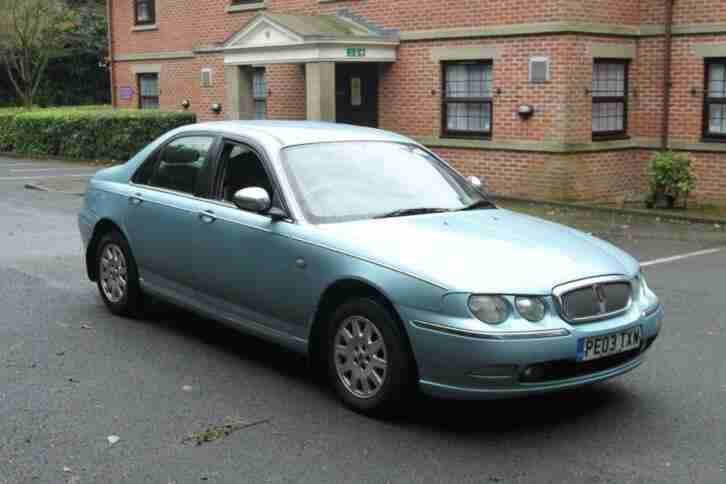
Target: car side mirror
257,200
476,182
253,199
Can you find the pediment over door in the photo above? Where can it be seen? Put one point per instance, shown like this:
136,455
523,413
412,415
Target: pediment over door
263,32
281,38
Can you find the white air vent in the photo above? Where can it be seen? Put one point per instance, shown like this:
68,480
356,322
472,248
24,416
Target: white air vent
206,77
539,70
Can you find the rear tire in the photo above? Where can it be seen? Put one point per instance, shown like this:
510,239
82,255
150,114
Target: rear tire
369,360
118,277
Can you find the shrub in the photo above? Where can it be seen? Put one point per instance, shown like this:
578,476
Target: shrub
91,132
670,179
7,128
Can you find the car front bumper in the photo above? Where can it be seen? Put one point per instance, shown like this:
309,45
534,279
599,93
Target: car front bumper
464,366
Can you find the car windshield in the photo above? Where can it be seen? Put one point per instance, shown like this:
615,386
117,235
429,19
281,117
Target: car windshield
346,181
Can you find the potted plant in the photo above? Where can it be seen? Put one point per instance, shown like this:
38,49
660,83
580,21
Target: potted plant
671,180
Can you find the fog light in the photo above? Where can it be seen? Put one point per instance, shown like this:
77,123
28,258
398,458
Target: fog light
532,373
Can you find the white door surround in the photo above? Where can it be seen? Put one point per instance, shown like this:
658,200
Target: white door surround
291,39
316,41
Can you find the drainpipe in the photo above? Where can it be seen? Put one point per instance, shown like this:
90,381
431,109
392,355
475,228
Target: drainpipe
112,70
667,61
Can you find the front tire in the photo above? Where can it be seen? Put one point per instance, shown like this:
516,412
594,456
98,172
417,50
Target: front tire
369,360
118,278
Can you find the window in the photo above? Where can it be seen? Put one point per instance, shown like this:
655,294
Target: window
259,93
144,12
467,99
539,70
149,91
357,180
240,167
178,166
715,100
609,99
206,77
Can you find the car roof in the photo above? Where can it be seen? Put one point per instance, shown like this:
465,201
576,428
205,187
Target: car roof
288,133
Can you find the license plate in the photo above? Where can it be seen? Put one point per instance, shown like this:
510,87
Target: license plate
597,347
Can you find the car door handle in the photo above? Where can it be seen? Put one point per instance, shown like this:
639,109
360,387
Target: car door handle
207,216
136,199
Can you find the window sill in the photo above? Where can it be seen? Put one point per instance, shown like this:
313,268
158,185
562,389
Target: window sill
709,139
246,7
610,137
145,28
448,135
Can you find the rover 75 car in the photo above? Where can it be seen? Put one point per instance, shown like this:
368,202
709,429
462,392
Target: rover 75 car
370,254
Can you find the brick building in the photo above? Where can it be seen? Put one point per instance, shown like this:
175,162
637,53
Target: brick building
543,98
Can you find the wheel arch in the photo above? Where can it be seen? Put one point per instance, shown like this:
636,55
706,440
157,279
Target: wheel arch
332,297
102,227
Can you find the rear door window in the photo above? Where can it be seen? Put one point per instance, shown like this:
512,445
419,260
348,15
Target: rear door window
180,166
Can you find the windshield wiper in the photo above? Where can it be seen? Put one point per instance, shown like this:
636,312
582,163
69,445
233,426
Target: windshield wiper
483,203
412,211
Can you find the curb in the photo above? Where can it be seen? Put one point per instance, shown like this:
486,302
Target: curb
619,211
21,156
42,188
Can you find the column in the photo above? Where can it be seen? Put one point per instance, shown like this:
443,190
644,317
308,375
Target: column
320,91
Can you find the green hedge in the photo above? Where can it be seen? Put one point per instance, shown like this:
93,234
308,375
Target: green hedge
88,132
7,129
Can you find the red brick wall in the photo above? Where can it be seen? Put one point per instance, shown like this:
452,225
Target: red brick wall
535,175
286,96
684,11
710,172
588,176
604,11
410,89
648,94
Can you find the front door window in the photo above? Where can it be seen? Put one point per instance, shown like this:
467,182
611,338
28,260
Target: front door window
240,167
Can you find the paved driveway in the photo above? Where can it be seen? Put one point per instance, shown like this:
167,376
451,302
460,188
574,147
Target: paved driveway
71,375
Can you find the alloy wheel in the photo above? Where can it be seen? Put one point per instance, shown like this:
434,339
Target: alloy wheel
113,273
361,358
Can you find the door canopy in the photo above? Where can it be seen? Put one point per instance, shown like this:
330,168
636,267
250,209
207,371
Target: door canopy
286,39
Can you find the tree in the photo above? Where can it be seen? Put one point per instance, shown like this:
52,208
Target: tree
30,32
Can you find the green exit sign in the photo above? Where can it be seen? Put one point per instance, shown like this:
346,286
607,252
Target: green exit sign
355,52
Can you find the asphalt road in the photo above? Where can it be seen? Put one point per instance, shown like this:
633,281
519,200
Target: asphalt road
71,375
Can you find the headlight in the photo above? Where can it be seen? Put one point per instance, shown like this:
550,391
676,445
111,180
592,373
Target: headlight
637,287
490,309
641,291
530,308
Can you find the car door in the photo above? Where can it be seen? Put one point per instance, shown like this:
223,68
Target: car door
246,264
164,210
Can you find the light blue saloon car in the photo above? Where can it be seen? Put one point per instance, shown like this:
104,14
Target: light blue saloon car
368,253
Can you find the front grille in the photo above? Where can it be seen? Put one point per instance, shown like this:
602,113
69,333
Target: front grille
596,299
